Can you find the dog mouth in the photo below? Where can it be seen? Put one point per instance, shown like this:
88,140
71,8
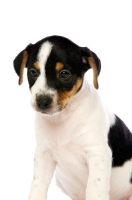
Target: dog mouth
47,109
51,109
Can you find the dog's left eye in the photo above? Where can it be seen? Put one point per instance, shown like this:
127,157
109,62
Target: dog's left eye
33,73
64,74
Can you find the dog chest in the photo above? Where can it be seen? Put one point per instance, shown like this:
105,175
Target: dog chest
71,170
67,151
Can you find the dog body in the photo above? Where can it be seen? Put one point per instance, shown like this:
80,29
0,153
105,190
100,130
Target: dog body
88,147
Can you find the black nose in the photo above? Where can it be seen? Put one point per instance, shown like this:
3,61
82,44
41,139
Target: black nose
43,102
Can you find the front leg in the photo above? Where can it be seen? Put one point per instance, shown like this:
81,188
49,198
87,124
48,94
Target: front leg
99,162
44,167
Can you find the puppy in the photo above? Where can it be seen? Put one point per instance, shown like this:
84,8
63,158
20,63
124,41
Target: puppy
88,147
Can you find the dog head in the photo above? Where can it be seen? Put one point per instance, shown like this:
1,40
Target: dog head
55,71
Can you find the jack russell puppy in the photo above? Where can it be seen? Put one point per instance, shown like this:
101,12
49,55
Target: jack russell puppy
88,147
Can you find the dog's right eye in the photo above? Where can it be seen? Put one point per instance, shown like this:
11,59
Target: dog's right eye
33,73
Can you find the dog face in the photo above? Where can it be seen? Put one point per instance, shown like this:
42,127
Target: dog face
55,71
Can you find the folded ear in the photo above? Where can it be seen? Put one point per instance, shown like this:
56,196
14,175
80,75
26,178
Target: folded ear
91,60
20,63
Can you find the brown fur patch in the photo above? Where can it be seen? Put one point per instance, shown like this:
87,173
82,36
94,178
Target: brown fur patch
36,65
24,60
95,73
64,97
59,66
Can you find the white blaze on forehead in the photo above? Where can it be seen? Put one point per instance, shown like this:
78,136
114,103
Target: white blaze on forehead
43,55
40,85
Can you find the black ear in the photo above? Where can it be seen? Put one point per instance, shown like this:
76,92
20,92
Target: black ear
91,60
20,62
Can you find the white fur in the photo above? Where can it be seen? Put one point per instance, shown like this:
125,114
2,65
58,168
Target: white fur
74,144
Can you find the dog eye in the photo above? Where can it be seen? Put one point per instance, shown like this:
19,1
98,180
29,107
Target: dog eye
33,73
64,74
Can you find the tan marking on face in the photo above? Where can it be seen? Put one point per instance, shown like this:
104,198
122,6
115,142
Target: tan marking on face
36,65
95,73
24,60
59,66
64,97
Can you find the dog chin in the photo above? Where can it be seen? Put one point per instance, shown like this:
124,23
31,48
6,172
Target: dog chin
49,113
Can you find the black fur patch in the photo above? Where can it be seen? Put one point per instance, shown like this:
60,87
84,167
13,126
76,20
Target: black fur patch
120,142
131,179
68,54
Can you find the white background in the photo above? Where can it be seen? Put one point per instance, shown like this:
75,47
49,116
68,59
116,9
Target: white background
104,26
